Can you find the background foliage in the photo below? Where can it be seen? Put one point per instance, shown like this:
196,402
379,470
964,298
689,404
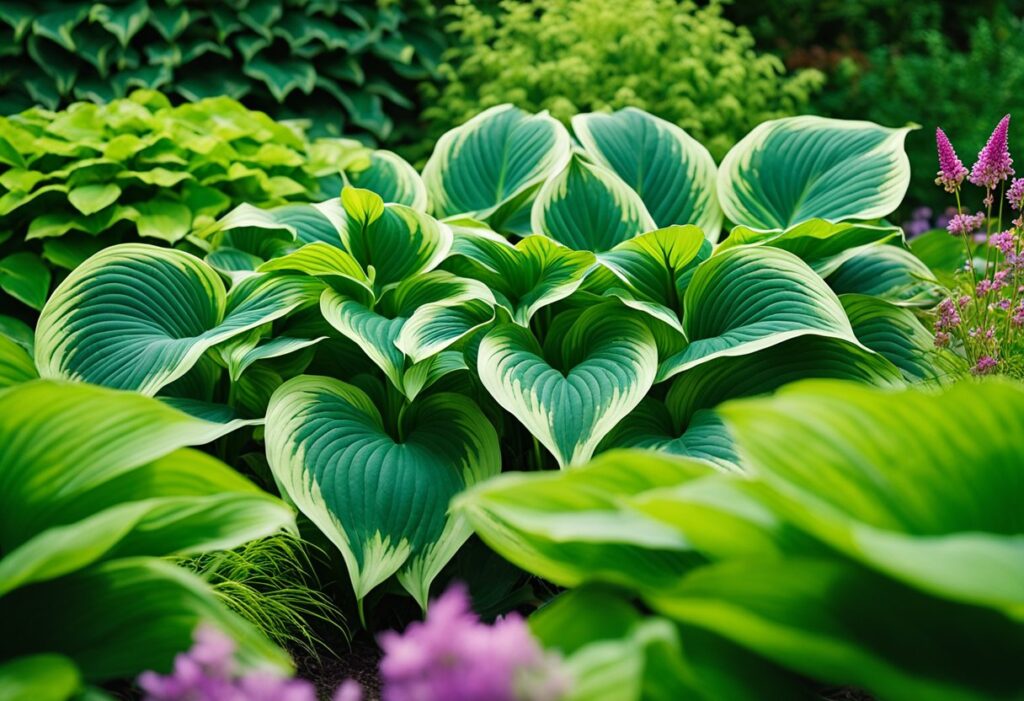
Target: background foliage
347,66
684,63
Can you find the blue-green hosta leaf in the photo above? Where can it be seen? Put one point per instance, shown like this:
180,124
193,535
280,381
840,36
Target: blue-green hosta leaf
333,265
569,527
41,677
391,177
16,364
242,351
671,171
603,367
932,502
491,166
25,277
651,272
123,21
524,277
588,207
439,307
821,244
890,273
266,233
897,334
380,492
139,317
789,170
831,620
751,298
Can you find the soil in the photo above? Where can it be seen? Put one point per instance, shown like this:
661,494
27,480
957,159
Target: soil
328,672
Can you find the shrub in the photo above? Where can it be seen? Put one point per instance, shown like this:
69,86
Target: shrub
397,358
99,488
674,59
75,181
346,65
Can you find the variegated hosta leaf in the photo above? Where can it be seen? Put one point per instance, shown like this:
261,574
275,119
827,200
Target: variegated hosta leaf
890,273
683,426
391,177
266,233
751,298
651,272
139,317
379,489
821,244
671,171
331,264
440,309
528,276
571,396
240,352
787,171
588,207
895,333
491,166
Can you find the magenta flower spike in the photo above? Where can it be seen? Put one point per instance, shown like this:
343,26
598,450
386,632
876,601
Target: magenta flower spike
994,164
951,169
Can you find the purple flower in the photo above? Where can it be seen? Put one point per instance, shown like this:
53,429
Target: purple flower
949,316
349,691
985,365
951,168
1004,241
1015,195
994,164
964,224
941,339
452,655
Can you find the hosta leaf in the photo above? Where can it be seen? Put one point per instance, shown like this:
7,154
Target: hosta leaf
570,527
139,317
379,488
163,219
652,271
391,177
672,172
436,326
16,364
126,616
890,273
39,677
240,353
931,504
588,208
267,232
897,334
845,625
570,397
821,244
124,21
751,298
652,427
282,76
26,278
92,198
789,170
491,166
327,262
526,277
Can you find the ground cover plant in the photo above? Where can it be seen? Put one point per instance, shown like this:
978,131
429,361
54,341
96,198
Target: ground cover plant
79,180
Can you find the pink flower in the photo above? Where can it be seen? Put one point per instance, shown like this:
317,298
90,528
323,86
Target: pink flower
965,224
1015,195
985,365
994,164
941,339
1005,241
951,168
949,316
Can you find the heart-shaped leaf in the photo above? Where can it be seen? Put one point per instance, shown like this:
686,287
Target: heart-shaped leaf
491,166
391,177
751,298
588,207
379,487
139,317
604,365
671,171
787,171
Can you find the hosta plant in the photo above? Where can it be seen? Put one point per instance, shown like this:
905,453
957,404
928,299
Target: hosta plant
871,542
75,181
99,488
522,304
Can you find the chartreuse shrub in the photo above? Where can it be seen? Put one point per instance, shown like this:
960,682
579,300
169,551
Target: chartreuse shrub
347,65
76,181
398,355
871,541
684,63
99,487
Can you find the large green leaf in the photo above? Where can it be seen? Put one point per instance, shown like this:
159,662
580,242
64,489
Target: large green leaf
491,166
26,278
16,364
571,527
39,677
524,278
832,620
379,486
671,171
391,177
922,487
789,170
570,394
751,298
890,273
588,207
139,317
